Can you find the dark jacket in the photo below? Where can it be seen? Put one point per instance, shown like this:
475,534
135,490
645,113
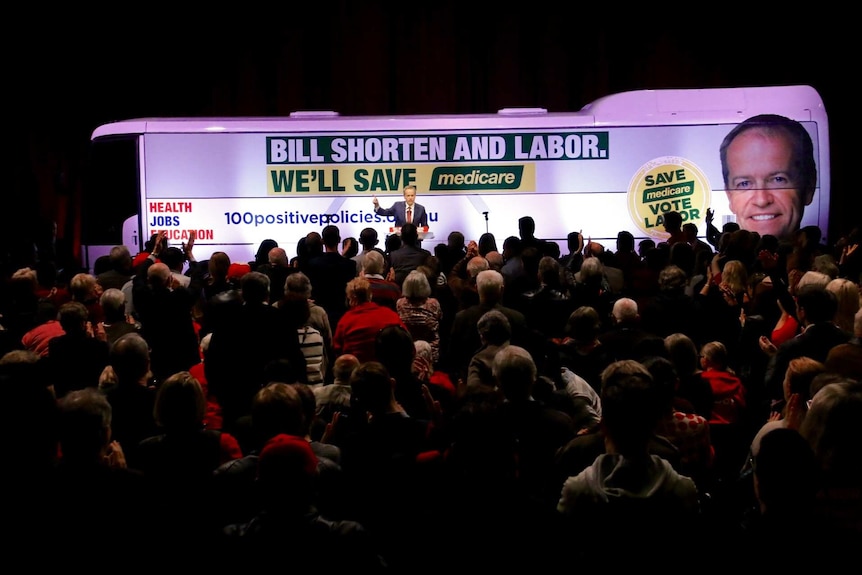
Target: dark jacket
398,211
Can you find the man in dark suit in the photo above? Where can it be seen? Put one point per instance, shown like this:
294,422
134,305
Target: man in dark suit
329,273
409,256
404,212
815,308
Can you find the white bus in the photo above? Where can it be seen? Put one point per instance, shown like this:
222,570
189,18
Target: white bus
619,163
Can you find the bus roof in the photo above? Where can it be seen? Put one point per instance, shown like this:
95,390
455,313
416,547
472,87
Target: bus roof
634,108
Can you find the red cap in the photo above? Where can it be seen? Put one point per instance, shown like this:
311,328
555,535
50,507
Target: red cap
236,271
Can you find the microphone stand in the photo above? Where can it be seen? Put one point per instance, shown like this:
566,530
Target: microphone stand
486,221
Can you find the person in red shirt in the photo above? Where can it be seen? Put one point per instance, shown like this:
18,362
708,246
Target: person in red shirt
727,390
357,330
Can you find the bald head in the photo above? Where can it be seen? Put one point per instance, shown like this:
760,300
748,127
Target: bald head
475,265
159,274
495,260
278,257
625,310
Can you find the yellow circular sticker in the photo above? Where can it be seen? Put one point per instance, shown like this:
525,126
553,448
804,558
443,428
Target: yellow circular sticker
668,184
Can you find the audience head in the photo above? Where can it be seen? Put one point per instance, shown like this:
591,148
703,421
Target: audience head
512,247
584,325
394,349
672,279
489,286
343,368
308,401
455,241
494,328
372,263
672,221
236,271
218,266
549,271
113,302
815,304
264,251
475,265
84,425
349,247
409,234
286,473
73,317
255,288
331,237
574,242
174,258
665,378
833,427
24,283
298,284
515,373
625,311
314,244
625,242
592,272
847,299
495,260
277,408
487,243
813,278
159,275
102,265
800,375
526,227
825,264
368,238
682,351
631,407
644,246
277,257
713,355
424,350
130,359
120,258
690,231
392,242
180,404
358,291
371,388
83,287
415,286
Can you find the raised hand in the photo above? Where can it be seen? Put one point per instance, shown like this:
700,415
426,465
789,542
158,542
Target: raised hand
472,248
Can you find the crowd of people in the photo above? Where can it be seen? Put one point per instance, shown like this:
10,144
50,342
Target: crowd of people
393,407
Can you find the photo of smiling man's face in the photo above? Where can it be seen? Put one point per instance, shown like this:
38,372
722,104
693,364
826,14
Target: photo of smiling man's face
768,179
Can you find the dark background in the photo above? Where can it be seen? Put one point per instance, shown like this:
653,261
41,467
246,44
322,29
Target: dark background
69,72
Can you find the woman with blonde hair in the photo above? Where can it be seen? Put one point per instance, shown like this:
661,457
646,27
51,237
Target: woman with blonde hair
734,278
847,294
724,302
